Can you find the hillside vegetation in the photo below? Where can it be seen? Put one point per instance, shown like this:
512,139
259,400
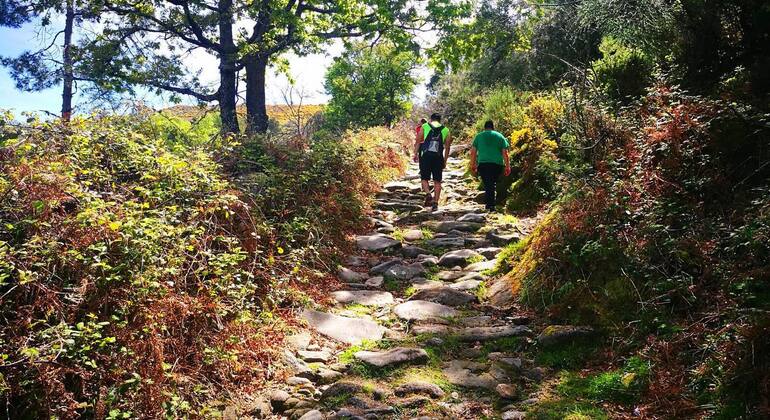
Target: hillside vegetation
147,272
163,264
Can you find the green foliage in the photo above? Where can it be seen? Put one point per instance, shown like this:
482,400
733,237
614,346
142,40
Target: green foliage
620,385
623,73
370,86
181,133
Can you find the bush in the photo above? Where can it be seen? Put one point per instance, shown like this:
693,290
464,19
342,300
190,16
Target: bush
139,281
623,73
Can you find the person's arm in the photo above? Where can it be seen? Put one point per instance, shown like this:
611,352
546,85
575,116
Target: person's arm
474,163
418,139
507,161
447,147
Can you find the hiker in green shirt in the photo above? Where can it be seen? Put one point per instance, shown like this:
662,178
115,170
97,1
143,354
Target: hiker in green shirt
489,158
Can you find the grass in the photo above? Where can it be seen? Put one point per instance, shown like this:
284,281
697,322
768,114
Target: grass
346,356
481,291
567,357
427,234
359,309
567,410
476,259
620,385
505,344
391,285
509,253
337,400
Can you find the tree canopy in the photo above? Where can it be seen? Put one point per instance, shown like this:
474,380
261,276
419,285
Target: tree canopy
370,86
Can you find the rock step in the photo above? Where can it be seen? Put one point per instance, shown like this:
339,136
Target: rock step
363,297
344,329
393,357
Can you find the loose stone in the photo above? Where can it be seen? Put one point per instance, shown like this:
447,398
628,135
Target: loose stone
314,356
425,388
506,391
482,266
349,276
460,257
556,335
375,281
378,242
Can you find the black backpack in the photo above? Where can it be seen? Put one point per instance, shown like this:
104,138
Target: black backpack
434,142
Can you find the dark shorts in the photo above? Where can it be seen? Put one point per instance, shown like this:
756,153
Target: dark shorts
431,165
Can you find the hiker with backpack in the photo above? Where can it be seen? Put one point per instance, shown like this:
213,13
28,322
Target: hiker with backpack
489,158
431,150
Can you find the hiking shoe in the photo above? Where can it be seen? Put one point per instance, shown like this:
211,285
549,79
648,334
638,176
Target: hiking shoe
428,199
434,207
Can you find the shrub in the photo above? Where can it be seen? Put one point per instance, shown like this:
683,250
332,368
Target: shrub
139,280
623,73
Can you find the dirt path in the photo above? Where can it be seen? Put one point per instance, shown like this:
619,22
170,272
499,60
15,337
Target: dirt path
412,335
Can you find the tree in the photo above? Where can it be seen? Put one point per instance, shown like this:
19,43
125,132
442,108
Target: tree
370,86
148,44
46,67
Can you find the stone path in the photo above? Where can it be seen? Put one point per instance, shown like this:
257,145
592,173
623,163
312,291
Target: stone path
413,334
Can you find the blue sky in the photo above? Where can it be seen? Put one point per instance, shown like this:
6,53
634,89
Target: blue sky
13,42
307,71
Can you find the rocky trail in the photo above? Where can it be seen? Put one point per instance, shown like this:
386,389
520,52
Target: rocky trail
414,333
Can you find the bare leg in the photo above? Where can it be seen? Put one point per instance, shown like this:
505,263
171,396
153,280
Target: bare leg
425,186
436,191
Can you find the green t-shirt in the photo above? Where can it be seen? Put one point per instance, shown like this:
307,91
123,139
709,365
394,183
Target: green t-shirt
489,145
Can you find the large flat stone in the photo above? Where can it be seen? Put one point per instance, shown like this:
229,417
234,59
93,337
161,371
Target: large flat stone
363,297
446,242
393,357
420,310
445,227
459,257
472,218
466,285
344,329
377,242
445,296
491,333
458,372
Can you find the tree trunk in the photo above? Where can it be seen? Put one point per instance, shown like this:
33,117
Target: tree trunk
68,77
227,70
256,111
